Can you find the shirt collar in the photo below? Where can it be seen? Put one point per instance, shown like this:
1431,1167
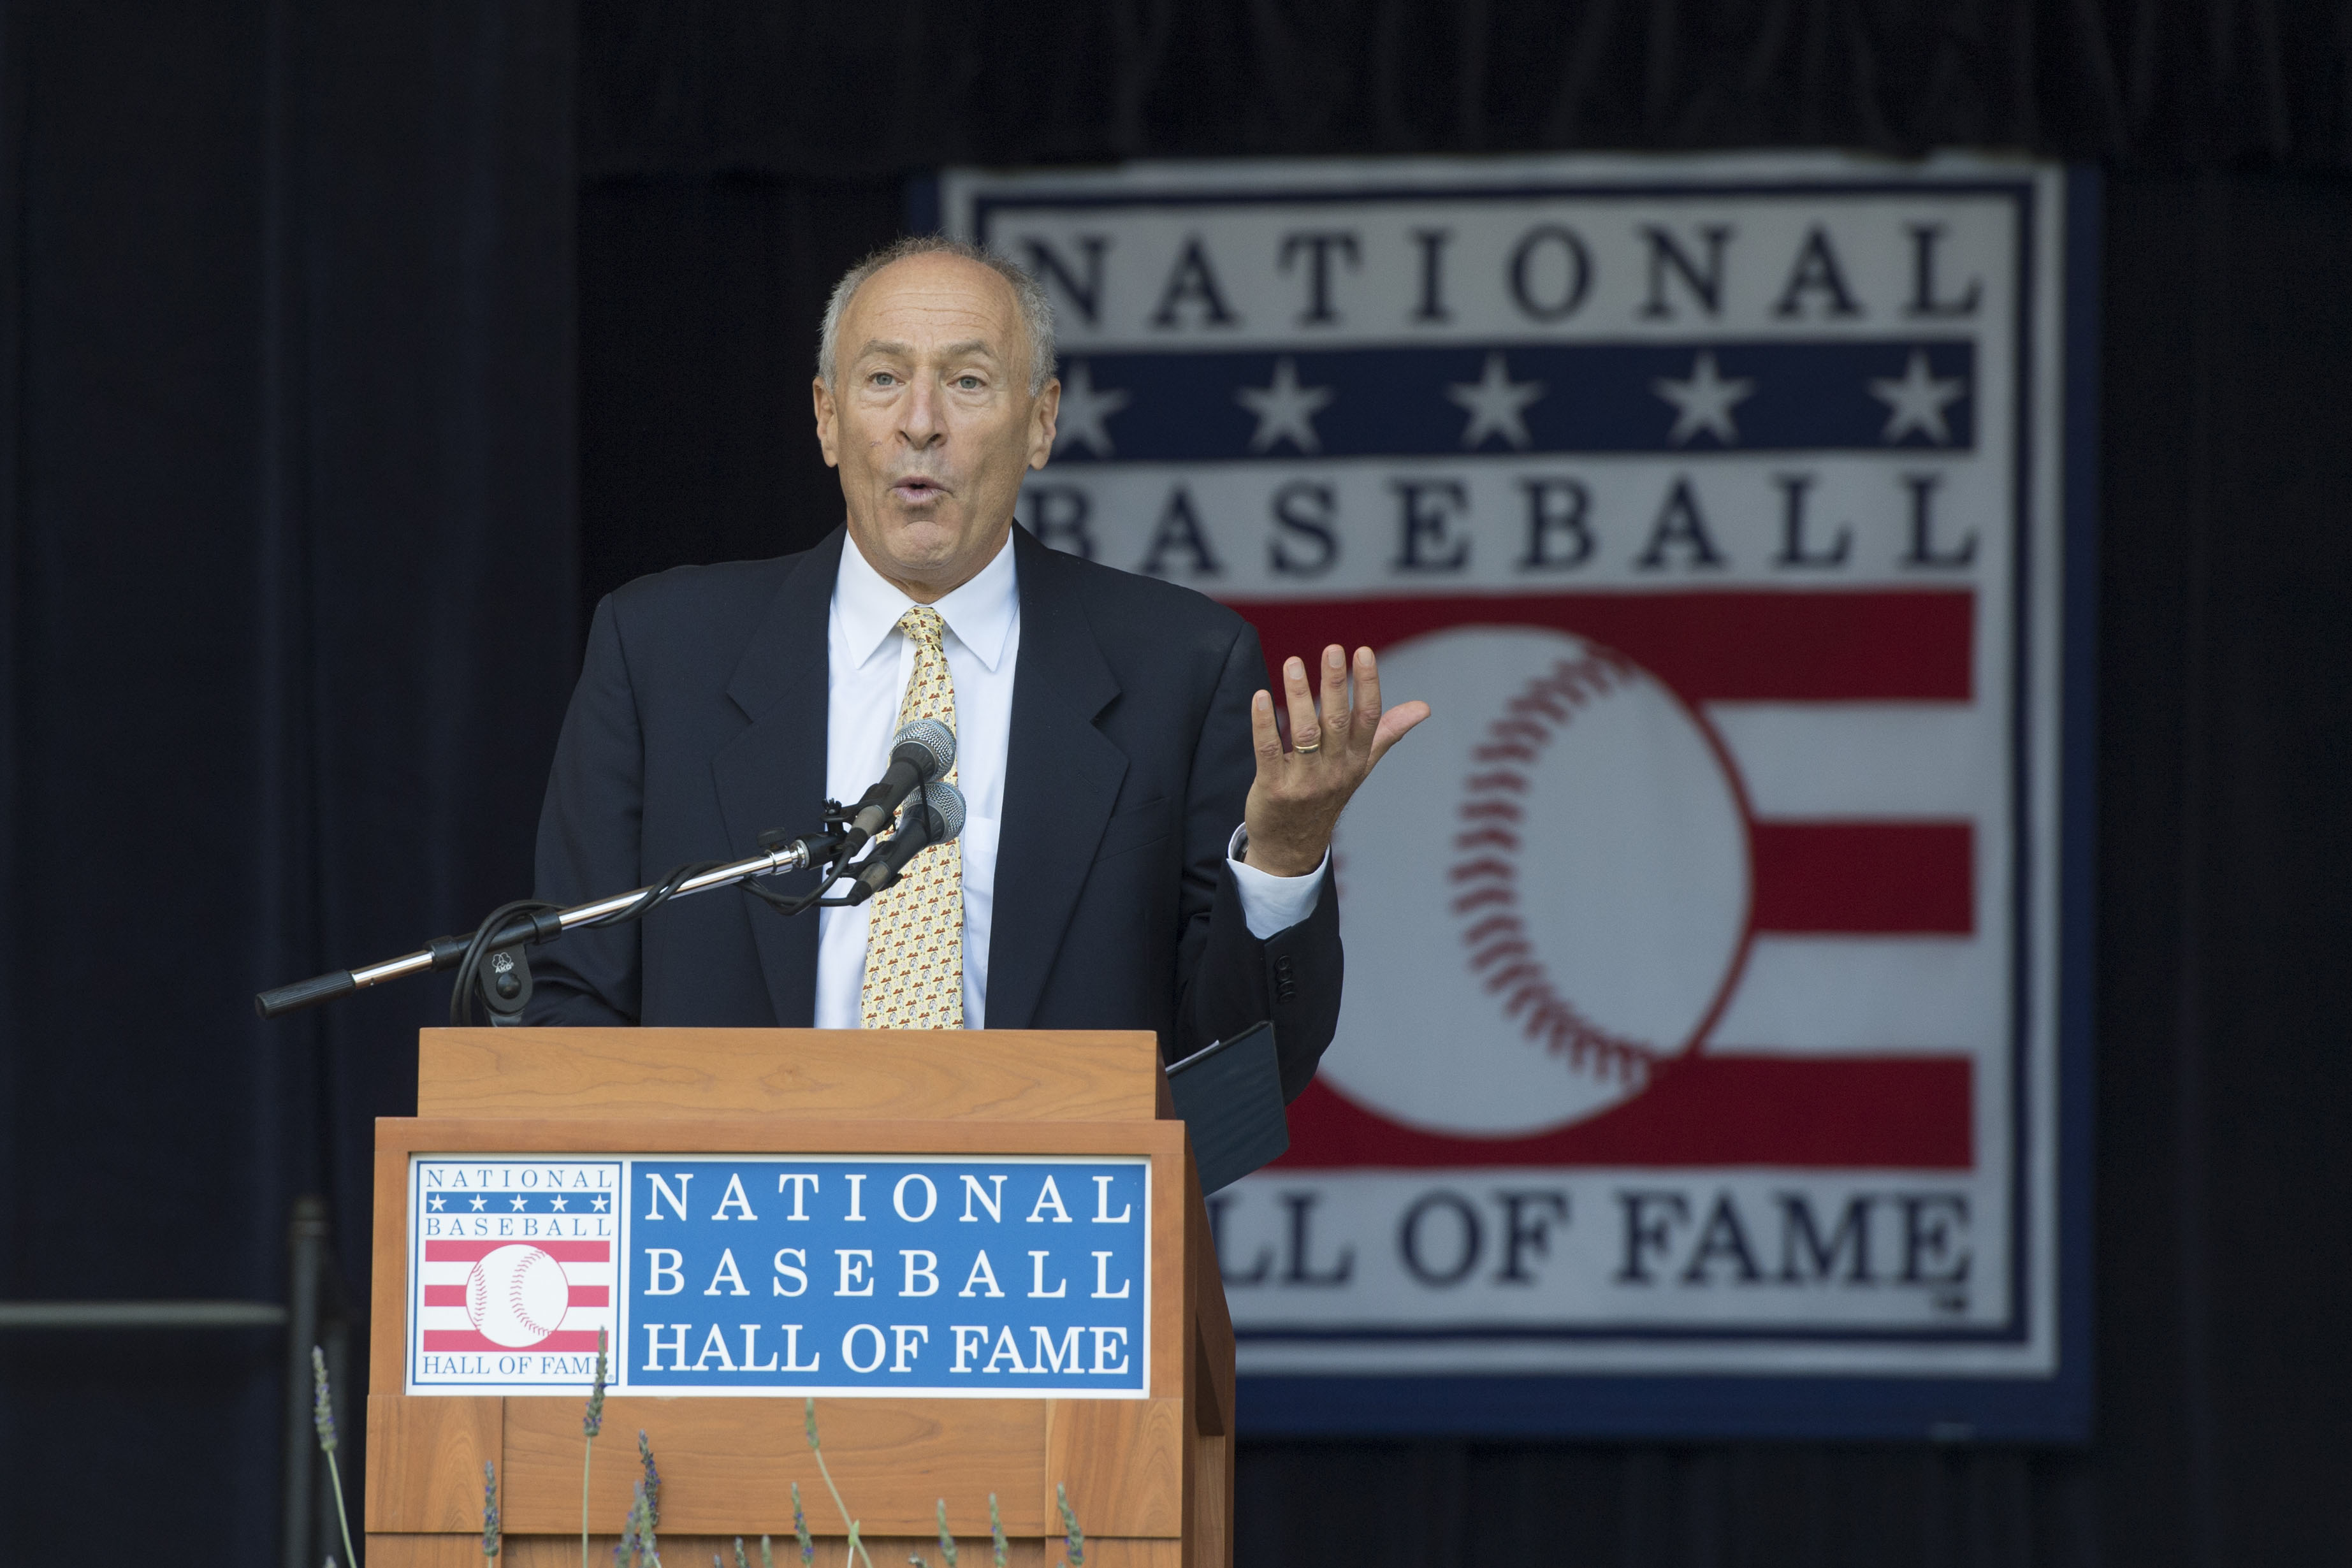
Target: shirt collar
980,614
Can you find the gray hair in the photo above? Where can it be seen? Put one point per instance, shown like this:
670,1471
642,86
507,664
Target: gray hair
1037,310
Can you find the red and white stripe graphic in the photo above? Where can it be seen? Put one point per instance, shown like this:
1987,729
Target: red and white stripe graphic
1869,987
451,1286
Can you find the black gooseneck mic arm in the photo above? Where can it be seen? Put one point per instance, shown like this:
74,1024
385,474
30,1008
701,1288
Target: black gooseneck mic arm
530,922
489,959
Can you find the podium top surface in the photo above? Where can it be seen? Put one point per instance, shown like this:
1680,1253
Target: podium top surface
1017,1075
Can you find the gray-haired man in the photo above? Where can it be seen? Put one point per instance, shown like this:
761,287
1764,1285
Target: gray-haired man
1140,849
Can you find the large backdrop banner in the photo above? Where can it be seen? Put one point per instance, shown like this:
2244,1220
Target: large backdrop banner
1715,1050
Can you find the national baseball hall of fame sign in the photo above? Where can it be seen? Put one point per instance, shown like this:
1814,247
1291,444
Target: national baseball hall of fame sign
1714,1055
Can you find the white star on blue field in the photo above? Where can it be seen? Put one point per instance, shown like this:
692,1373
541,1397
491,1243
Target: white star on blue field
1497,404
1704,401
1423,400
1080,422
1285,411
1917,401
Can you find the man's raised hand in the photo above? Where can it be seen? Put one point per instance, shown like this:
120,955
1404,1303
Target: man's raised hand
1296,798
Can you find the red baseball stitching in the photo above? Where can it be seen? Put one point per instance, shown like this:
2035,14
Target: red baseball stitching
514,1296
1488,873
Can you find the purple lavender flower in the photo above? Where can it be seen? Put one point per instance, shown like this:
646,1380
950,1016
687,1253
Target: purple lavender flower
322,1415
996,1529
637,1547
800,1521
322,1401
594,1422
489,1509
947,1539
652,1484
1072,1536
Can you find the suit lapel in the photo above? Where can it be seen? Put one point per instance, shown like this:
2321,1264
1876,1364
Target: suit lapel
772,774
1061,779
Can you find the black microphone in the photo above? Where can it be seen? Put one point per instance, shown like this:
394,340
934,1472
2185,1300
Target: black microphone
923,750
935,819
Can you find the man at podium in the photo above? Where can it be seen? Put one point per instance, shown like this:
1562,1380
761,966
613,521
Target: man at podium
1140,850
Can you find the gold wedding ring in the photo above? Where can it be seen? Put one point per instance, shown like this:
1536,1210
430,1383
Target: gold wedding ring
1307,751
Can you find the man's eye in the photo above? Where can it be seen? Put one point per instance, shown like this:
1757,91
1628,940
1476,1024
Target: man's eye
884,378
968,383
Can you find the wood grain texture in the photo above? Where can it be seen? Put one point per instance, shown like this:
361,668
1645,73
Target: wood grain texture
400,1136
887,1551
1112,1551
1210,1536
728,1465
1212,1322
438,1551
388,1270
424,1460
1122,1462
990,1075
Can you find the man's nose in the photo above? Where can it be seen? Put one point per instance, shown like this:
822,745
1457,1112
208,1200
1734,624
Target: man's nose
920,420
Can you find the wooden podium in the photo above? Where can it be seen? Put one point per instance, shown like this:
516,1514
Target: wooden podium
1149,1477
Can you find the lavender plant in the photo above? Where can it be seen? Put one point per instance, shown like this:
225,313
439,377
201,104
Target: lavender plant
996,1529
1072,1538
800,1529
857,1551
637,1547
652,1480
591,1424
322,1417
947,1539
490,1508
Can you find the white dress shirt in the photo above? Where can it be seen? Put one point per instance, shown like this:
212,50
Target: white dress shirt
868,662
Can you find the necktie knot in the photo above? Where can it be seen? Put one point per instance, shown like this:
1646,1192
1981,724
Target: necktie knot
923,626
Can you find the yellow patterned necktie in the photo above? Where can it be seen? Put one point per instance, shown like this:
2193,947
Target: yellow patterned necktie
914,944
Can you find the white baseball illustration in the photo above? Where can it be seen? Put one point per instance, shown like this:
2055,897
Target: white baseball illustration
517,1296
1575,911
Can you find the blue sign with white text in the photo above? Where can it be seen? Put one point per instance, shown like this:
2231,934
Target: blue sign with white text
986,1276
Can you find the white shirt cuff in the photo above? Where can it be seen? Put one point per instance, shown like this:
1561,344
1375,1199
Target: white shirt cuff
1272,903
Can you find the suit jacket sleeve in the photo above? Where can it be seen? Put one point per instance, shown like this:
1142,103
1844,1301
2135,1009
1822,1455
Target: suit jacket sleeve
588,837
1228,980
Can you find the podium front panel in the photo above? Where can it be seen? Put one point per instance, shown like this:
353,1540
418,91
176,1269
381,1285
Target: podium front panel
1142,1449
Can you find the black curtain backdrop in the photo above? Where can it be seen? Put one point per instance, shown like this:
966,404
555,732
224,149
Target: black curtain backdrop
288,555
304,486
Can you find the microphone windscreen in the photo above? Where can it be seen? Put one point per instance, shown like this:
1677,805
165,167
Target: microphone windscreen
946,802
935,738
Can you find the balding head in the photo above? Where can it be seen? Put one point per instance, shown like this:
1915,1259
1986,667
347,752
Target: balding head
1028,295
930,403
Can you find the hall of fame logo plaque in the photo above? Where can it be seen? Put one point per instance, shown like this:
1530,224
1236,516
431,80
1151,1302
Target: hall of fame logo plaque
1701,1058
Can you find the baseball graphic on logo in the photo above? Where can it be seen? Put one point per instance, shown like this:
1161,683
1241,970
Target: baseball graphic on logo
1575,912
517,1296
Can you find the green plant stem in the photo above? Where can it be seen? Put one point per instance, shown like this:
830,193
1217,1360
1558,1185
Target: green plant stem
587,1458
856,1545
335,1475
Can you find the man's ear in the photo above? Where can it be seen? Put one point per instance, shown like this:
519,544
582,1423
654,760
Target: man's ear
827,430
1042,422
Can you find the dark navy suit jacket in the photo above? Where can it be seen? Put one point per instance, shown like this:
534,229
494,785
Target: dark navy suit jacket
699,720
